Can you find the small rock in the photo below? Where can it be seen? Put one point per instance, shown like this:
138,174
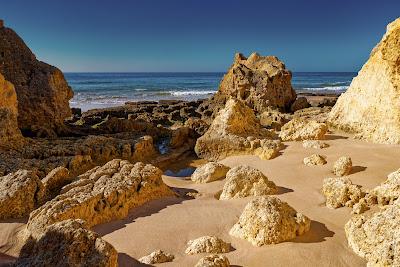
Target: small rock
213,261
342,166
207,244
340,192
313,160
302,129
388,191
157,256
209,172
314,144
360,207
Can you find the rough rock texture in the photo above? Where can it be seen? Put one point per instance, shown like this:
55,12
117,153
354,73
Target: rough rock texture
207,244
340,192
388,191
67,243
300,103
314,160
360,207
268,220
42,92
274,119
102,194
55,180
370,107
213,261
302,129
157,256
376,237
342,166
314,144
244,181
261,82
209,172
20,193
236,131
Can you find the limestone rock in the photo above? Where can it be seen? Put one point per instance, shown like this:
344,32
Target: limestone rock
55,180
268,220
20,193
314,159
156,257
67,243
360,207
274,119
213,261
300,103
102,194
261,82
370,107
388,191
179,137
340,192
302,129
314,144
244,181
342,166
209,172
376,237
207,244
236,131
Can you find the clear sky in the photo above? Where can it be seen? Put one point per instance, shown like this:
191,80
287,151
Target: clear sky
199,35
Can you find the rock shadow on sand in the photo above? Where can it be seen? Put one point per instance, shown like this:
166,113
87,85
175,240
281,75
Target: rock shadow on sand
334,137
356,169
318,233
124,260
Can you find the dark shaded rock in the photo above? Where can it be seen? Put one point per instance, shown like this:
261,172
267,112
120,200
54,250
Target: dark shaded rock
300,103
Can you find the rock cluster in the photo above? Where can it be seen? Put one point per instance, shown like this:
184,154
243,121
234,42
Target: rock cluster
244,181
209,172
213,261
342,166
370,107
300,129
314,144
268,220
207,244
340,192
314,160
156,257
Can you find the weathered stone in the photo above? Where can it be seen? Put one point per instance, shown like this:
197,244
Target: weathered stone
207,244
342,166
340,192
55,180
300,103
244,181
360,207
314,144
67,243
179,137
370,107
268,220
274,119
314,160
388,191
209,172
302,129
156,257
213,261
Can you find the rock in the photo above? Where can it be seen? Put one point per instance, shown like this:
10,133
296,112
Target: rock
209,172
340,192
300,103
301,129
67,243
388,191
156,257
213,261
314,144
342,166
376,237
207,244
268,220
317,114
102,194
261,82
20,193
370,107
244,181
360,207
236,131
179,137
314,159
198,126
274,119
42,92
55,180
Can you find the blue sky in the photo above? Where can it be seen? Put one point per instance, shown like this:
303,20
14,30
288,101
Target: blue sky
188,35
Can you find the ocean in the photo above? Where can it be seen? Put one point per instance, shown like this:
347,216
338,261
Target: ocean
98,90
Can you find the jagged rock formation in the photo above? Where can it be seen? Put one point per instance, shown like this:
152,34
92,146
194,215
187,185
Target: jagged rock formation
314,160
213,261
342,166
156,257
209,172
316,144
55,180
261,82
244,181
388,191
236,131
101,194
370,107
274,119
300,129
268,220
207,244
340,192
42,92
67,243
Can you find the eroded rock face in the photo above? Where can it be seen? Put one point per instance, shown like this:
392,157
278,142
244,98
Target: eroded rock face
42,92
268,220
260,82
370,107
67,243
342,166
101,194
340,192
244,181
314,160
300,103
209,172
207,244
213,261
300,129
156,257
316,144
388,191
55,180
236,131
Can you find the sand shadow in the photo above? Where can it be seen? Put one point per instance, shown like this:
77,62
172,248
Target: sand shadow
318,233
281,150
356,169
334,137
124,260
283,190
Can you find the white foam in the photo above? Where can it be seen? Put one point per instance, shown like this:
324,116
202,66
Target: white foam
187,93
327,88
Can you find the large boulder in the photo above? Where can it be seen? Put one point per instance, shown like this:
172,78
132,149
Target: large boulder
259,81
209,172
236,131
300,129
42,92
268,220
102,194
370,107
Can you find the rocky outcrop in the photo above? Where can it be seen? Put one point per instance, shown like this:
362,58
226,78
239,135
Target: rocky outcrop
274,119
261,82
342,166
268,220
42,92
340,192
209,172
213,261
300,103
300,129
67,243
156,257
207,244
370,107
55,180
20,193
314,160
244,181
316,144
236,131
388,191
101,194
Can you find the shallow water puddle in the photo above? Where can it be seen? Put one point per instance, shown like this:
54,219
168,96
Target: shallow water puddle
185,172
